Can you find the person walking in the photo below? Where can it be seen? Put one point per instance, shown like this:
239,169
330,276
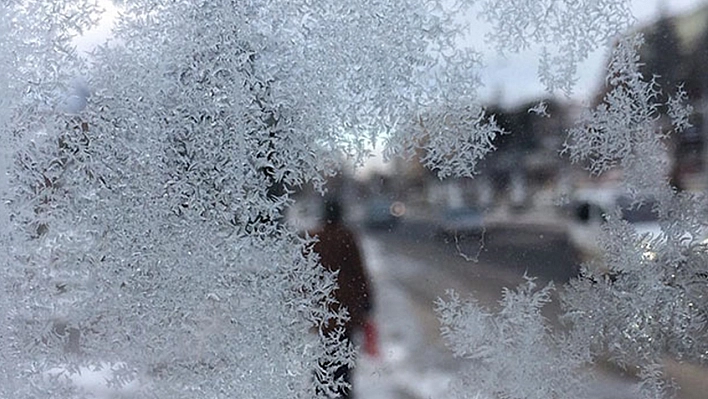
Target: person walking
339,252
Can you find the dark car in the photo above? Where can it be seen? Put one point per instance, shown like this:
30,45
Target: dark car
382,214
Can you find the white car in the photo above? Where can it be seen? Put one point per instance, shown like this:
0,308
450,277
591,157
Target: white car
589,208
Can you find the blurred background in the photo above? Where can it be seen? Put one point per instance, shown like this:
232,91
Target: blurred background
529,211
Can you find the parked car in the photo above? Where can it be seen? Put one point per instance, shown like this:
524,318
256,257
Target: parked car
461,221
588,210
383,214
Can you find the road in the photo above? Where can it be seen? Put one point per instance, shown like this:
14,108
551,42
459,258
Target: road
412,267
481,265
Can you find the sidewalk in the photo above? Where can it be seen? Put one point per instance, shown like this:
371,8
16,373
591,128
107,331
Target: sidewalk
410,365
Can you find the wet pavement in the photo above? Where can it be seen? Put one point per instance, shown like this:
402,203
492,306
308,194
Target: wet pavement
411,268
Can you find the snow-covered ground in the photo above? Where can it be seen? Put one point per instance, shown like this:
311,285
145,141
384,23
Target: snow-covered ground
398,372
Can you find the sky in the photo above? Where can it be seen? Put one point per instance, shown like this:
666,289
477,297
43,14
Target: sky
513,80
508,80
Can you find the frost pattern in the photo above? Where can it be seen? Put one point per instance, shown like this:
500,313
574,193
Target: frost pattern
453,140
643,300
448,129
145,231
650,307
147,227
646,302
36,62
511,353
625,130
679,110
540,109
566,30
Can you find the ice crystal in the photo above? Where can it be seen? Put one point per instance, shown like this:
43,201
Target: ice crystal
453,139
142,208
639,303
511,353
625,129
540,109
567,32
679,110
645,301
36,63
146,218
